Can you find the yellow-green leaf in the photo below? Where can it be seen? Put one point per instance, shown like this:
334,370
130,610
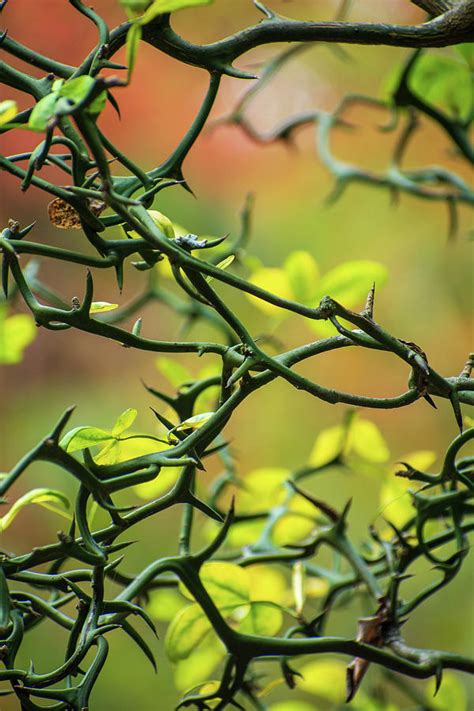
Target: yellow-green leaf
316,587
396,501
291,528
186,630
395,498
8,111
82,437
199,666
77,89
303,275
16,333
192,423
444,81
262,488
134,36
326,679
124,449
135,7
161,221
451,695
158,7
259,618
174,371
328,445
100,307
365,439
267,584
242,533
163,482
222,265
124,421
273,280
165,603
299,587
350,282
421,460
43,497
291,706
226,583
43,111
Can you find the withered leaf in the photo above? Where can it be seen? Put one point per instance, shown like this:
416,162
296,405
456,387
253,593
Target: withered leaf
65,217
369,631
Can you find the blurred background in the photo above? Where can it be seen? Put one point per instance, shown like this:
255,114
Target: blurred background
427,298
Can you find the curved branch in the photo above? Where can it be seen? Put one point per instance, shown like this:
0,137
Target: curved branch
453,27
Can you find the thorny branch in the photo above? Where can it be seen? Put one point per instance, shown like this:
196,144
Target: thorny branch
245,367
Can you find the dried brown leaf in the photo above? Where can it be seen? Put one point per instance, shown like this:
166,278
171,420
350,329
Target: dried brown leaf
65,217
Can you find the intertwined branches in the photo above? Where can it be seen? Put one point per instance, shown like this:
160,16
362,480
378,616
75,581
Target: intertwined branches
68,104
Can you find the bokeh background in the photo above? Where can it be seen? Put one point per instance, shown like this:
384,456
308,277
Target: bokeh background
428,297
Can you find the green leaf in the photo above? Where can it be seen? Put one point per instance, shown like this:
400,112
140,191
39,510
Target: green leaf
222,265
124,421
326,679
76,90
135,7
443,81
41,497
16,333
226,583
100,307
186,630
85,436
466,50
43,112
8,111
174,371
328,445
303,276
134,36
161,6
451,695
